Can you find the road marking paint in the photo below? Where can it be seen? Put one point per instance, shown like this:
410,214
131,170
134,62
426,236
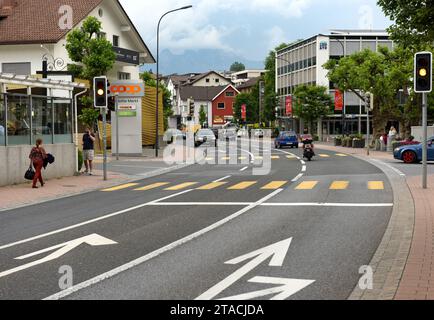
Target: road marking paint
341,155
298,177
243,185
221,179
303,162
304,168
274,185
121,187
339,185
85,223
159,252
209,159
212,186
242,158
181,186
307,185
275,157
276,204
291,157
226,158
390,167
376,185
152,186
244,169
324,156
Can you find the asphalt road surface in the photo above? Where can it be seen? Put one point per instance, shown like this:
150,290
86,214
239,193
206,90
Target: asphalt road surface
301,232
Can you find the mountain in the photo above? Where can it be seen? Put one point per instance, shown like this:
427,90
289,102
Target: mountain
200,61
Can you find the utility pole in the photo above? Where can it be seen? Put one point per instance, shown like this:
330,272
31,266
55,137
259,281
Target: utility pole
117,124
261,94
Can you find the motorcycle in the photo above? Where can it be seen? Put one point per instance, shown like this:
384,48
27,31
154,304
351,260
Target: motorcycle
308,151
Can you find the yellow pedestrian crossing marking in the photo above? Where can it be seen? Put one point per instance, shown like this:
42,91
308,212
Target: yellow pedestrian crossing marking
152,186
209,159
181,186
275,157
121,187
291,157
324,156
376,185
226,158
339,185
274,185
243,185
212,186
341,155
307,185
242,158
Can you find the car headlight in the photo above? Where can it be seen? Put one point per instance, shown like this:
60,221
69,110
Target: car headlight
397,149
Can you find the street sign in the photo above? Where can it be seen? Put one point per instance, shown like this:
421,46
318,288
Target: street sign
127,107
277,253
423,72
134,89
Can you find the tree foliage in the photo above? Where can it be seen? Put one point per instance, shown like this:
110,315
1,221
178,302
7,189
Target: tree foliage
414,20
251,100
203,118
237,67
312,103
94,54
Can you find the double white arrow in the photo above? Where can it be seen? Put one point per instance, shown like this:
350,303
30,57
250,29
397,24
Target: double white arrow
277,252
93,240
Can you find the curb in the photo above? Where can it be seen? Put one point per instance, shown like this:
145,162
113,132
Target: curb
115,183
391,257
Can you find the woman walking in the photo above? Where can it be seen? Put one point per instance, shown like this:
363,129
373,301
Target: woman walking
37,157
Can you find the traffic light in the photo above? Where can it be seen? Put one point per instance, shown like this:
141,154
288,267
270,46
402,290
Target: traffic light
191,107
423,72
100,92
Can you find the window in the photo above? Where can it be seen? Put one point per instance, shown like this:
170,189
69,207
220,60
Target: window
115,41
18,120
217,80
3,125
221,106
124,76
42,120
102,35
19,68
207,80
101,13
230,94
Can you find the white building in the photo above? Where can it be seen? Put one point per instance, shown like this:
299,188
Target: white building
25,42
241,77
302,63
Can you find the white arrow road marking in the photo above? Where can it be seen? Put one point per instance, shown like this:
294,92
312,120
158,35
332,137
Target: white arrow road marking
287,288
277,252
93,240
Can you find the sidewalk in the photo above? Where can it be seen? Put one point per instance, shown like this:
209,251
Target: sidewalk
416,282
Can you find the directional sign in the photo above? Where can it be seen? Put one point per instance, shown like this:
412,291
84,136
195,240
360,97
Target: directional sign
93,240
277,253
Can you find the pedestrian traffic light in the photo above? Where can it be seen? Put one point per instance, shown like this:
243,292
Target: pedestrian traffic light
100,92
423,72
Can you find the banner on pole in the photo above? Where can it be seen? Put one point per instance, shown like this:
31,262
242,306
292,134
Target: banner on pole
288,105
339,101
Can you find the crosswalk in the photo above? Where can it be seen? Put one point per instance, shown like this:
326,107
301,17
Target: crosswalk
274,157
251,184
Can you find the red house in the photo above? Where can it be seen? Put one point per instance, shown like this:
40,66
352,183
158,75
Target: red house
223,106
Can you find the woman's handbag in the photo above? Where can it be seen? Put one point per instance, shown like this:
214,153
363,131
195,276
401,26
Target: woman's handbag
30,174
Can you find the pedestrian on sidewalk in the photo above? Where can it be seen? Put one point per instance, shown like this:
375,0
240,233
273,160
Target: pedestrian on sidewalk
37,157
89,151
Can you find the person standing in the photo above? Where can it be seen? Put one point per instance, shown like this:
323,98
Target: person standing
37,157
89,151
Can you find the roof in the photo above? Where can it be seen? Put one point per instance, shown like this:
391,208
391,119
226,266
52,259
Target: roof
226,88
204,75
200,93
19,25
249,84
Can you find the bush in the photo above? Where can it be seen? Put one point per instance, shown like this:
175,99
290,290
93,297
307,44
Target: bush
80,160
338,141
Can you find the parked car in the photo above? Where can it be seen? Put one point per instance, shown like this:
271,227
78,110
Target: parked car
413,153
230,134
259,133
205,137
243,133
172,135
286,139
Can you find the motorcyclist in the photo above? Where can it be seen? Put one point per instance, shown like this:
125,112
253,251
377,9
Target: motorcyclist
307,141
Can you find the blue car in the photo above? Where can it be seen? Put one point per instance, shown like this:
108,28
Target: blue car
286,139
413,153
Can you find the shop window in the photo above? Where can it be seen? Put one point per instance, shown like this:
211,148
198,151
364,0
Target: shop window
3,125
42,120
62,121
18,124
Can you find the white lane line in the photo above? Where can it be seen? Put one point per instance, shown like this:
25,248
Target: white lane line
390,167
118,213
297,177
304,168
252,157
303,162
157,253
244,169
277,204
222,179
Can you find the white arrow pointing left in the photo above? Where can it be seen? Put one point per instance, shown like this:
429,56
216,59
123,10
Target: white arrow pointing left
93,240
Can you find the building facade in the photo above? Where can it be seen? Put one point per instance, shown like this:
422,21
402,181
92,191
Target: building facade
302,64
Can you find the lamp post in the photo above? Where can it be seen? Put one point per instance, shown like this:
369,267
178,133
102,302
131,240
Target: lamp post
343,93
157,140
289,63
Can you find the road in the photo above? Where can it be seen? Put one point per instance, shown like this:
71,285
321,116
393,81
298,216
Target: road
172,236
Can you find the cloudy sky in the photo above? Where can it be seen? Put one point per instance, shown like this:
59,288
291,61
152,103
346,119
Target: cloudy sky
248,28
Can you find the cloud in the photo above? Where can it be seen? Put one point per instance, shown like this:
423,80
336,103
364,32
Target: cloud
277,36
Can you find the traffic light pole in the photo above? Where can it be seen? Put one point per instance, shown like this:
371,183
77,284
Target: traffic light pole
117,125
425,140
104,141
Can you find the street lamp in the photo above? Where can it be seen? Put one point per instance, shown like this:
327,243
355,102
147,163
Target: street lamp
157,140
289,63
343,93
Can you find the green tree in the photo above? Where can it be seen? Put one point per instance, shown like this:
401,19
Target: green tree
150,81
251,100
203,117
312,103
88,117
414,20
237,66
94,54
384,74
